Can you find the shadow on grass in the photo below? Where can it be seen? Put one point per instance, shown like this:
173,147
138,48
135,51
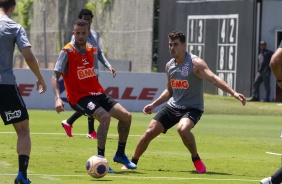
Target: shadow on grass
191,172
209,173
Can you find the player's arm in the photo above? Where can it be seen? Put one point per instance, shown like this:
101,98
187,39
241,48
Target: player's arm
166,94
102,58
56,85
33,65
276,66
58,70
59,104
202,70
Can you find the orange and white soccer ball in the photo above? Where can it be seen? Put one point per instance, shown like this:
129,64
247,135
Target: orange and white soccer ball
97,166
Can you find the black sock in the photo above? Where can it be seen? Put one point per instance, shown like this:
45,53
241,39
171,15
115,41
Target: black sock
101,151
277,176
74,117
134,160
196,158
90,125
23,164
121,148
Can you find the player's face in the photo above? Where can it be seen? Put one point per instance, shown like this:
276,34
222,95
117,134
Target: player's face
80,34
176,48
87,18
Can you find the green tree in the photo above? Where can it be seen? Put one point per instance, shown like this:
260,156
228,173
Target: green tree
22,13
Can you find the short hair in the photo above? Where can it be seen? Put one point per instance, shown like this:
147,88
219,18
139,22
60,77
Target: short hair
262,42
85,12
6,4
177,35
81,22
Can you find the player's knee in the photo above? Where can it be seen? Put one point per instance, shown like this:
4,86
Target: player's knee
127,117
183,129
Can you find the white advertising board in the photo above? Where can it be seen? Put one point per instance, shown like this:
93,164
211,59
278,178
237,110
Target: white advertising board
131,90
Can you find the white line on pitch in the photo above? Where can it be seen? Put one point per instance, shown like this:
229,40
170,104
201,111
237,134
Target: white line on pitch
44,133
139,177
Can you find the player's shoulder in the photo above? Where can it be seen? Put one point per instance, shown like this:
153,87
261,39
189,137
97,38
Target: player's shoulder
93,33
11,25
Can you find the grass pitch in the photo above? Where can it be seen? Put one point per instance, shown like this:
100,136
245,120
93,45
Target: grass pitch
232,141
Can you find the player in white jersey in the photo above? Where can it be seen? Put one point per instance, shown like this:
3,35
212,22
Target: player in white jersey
184,97
12,107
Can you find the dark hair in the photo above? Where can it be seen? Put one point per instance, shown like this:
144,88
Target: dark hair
6,4
85,12
81,22
177,35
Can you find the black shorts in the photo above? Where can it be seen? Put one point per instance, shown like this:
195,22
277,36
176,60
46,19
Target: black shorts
169,116
88,104
12,106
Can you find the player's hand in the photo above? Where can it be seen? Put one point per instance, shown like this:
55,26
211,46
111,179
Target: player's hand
60,106
41,82
113,71
240,97
148,109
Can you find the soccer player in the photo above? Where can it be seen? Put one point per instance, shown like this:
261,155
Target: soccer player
276,67
184,99
93,39
12,107
86,95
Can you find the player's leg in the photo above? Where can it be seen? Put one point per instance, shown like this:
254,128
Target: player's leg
154,129
184,128
124,123
23,147
276,178
104,118
73,118
14,112
91,129
67,124
166,118
89,106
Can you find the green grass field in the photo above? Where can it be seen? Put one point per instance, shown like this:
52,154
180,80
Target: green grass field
232,141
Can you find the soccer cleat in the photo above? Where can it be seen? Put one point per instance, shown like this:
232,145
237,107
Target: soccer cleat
93,135
21,180
266,181
67,127
200,167
124,160
111,171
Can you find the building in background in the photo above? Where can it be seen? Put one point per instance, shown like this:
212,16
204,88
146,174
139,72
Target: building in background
225,34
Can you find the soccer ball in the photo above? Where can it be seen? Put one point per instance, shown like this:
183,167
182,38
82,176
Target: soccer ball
97,166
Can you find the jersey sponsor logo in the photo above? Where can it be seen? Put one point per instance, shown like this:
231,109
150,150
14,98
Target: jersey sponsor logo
86,73
180,84
84,61
184,71
12,115
95,93
91,106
